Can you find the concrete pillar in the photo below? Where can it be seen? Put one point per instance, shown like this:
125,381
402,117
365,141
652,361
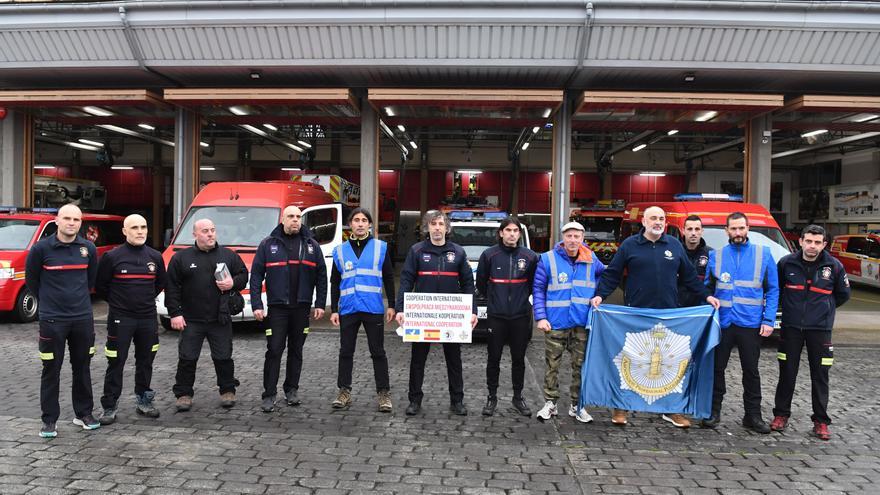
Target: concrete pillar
17,159
756,169
369,157
187,153
560,193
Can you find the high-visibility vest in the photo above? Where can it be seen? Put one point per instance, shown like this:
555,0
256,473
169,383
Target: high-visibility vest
740,282
569,290
360,289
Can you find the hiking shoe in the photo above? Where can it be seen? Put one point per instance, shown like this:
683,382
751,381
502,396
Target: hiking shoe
145,405
108,417
88,422
677,420
712,421
227,400
184,403
458,408
268,404
580,414
821,431
385,405
520,405
48,431
779,423
413,408
618,417
548,411
756,424
343,399
489,408
291,398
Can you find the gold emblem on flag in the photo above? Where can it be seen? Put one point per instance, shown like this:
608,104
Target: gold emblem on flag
653,363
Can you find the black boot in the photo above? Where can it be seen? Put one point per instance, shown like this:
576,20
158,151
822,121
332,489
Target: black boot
413,408
520,405
489,408
756,424
712,421
458,408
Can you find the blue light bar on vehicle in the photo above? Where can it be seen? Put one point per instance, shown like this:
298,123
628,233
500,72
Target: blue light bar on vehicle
461,215
495,215
709,197
21,209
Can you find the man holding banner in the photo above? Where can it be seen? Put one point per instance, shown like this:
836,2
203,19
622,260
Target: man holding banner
435,266
565,280
656,264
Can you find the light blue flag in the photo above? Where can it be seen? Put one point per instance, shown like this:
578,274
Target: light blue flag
652,360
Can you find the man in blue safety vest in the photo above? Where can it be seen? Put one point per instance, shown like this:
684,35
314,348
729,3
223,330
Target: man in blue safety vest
747,285
565,281
361,267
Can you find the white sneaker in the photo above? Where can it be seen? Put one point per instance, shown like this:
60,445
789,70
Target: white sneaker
581,415
548,411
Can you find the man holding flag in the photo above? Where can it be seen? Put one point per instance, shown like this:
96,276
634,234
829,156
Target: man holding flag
656,263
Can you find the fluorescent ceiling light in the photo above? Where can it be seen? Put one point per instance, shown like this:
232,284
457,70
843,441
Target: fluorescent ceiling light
44,167
258,132
413,144
525,146
707,116
304,143
291,169
122,167
147,127
262,133
672,132
97,111
470,172
536,129
207,168
814,133
129,132
91,143
81,146
204,144
270,127
640,147
401,128
652,174
294,147
386,171
238,110
389,111
866,118
547,112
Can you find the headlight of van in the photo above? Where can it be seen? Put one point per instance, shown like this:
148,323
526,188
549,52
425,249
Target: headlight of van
6,273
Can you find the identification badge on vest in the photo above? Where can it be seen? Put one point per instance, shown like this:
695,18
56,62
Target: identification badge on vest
521,264
725,277
826,273
84,252
450,257
563,277
348,265
151,267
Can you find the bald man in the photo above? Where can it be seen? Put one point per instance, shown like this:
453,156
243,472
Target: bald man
198,304
129,279
656,264
292,264
60,272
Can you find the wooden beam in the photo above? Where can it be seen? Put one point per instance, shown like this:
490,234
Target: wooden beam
285,96
832,103
75,97
467,97
696,101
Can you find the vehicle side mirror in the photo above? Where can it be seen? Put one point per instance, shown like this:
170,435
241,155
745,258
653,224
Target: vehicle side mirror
166,240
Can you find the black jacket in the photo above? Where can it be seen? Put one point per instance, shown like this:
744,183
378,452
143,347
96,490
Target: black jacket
272,261
192,290
437,269
61,276
699,258
504,276
130,278
810,300
357,245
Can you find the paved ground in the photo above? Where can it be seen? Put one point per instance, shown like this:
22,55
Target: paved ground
312,449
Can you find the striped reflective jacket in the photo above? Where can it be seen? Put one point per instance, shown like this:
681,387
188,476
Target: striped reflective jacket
746,283
563,288
360,285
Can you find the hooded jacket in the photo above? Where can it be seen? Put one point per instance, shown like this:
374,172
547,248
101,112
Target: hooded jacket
272,263
505,275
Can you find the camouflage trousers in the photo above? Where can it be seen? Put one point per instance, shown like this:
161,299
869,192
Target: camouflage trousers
556,342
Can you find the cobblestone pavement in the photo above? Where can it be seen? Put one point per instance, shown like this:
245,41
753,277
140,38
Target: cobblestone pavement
314,449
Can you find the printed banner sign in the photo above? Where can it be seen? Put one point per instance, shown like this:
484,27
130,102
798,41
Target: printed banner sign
436,317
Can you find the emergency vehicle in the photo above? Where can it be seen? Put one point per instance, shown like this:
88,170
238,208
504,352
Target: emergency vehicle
601,223
475,231
20,229
712,210
860,256
244,213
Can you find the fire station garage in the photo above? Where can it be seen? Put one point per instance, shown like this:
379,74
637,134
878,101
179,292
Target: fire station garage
549,110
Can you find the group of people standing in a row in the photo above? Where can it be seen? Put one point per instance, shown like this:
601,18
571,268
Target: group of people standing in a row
740,281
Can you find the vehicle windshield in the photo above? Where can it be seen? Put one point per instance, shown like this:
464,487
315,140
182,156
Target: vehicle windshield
16,234
600,228
236,225
476,238
716,238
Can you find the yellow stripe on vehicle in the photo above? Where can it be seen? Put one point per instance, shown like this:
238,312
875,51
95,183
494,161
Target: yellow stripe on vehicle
827,361
781,356
155,348
110,354
268,332
47,356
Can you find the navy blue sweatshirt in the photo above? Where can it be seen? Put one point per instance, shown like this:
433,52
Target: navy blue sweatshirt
504,276
130,278
437,269
654,270
61,275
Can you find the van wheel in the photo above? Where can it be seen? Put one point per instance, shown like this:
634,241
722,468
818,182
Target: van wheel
25,306
165,322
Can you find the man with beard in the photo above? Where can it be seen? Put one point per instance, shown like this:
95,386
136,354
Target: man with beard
292,263
129,278
747,285
656,263
698,254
